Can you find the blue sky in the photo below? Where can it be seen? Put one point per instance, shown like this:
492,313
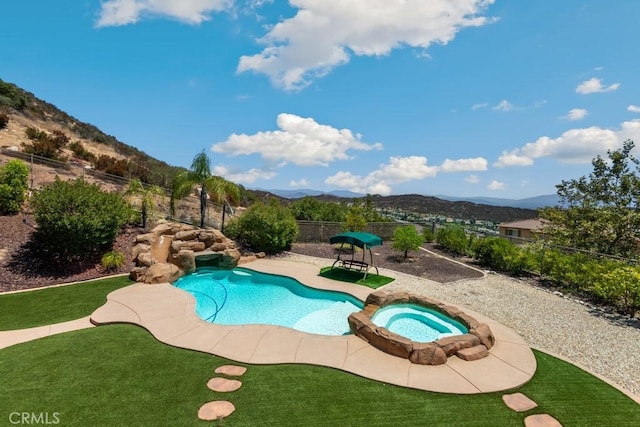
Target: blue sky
459,97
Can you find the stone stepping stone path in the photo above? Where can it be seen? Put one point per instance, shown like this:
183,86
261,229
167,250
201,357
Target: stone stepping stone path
231,370
216,410
223,385
518,402
220,409
541,420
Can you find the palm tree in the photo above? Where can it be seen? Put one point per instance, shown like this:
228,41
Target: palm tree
146,195
200,175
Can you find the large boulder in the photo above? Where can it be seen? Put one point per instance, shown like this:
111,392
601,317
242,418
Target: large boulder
483,332
138,249
147,239
187,235
191,245
453,343
186,261
427,354
162,273
145,259
162,229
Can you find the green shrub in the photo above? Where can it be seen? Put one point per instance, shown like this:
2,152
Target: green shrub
13,186
354,219
427,234
453,239
406,238
76,218
620,287
270,228
112,260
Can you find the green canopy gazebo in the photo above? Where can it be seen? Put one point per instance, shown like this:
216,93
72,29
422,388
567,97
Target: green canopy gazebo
363,240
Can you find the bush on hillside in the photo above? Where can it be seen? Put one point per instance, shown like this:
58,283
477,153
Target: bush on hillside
13,186
501,254
76,218
45,145
269,228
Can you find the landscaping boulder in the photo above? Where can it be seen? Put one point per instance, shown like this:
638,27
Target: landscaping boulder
162,229
162,273
186,261
452,344
427,354
483,332
187,235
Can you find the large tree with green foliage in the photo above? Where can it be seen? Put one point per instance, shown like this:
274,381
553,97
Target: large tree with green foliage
200,175
600,212
77,218
13,186
145,196
311,209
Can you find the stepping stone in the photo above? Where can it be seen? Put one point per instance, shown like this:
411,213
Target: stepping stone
223,385
518,402
216,410
233,370
541,420
473,353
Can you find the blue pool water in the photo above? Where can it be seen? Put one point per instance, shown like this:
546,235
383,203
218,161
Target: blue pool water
417,323
241,297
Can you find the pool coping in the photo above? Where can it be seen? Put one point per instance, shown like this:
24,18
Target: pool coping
168,313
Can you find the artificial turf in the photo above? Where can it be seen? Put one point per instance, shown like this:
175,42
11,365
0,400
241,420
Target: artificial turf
373,281
53,305
120,375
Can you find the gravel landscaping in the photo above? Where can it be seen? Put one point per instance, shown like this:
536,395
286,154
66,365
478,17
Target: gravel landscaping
600,341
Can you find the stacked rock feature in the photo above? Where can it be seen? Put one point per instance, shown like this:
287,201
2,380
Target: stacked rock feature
471,346
170,250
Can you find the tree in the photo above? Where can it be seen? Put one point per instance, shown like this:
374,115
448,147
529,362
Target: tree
145,196
406,238
200,175
355,220
264,227
13,186
76,218
600,212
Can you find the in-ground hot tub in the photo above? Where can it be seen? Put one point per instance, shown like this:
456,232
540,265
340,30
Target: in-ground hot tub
423,330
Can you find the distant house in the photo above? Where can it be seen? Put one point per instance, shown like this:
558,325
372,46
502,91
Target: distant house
520,231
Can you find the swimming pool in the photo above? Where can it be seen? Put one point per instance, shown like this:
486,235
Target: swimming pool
241,296
420,324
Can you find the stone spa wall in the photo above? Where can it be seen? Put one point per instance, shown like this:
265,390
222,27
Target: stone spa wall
471,346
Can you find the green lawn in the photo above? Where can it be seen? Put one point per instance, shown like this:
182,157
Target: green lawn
373,281
54,305
120,375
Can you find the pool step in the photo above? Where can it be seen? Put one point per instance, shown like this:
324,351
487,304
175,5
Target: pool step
473,353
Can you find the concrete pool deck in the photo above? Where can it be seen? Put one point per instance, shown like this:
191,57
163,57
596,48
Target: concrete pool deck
168,313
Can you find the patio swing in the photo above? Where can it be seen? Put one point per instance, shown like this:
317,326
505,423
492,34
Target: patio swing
365,241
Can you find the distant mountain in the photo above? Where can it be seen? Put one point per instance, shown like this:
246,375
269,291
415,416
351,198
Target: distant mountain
299,193
528,203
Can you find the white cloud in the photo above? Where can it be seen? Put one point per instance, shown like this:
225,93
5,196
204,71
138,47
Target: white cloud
479,105
123,12
302,183
573,146
633,108
594,85
324,34
243,177
399,170
472,179
396,171
496,185
464,165
301,141
504,105
576,114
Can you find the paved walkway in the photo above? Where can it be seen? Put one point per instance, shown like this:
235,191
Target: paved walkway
169,314
9,338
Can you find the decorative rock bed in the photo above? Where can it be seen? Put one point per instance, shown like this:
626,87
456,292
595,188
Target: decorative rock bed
471,346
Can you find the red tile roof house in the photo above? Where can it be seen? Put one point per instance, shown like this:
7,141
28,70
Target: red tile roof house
522,231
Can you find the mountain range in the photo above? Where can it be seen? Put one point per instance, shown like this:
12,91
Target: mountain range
526,203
